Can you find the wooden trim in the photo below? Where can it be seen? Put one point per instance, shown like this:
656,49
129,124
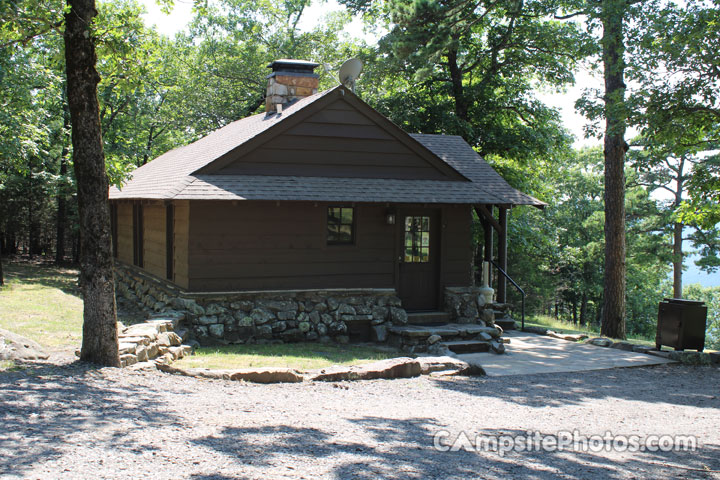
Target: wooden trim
485,213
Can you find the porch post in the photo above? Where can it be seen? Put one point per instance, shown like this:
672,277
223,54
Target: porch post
487,229
502,254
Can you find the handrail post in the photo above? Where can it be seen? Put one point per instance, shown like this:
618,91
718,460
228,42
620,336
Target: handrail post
522,293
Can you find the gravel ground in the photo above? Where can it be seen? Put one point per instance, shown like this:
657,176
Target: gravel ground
72,421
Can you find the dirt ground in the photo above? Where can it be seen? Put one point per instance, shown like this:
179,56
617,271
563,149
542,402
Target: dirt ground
68,420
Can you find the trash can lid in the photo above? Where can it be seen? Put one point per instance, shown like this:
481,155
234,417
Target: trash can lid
684,301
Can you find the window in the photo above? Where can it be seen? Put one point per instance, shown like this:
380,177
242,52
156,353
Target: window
417,239
340,226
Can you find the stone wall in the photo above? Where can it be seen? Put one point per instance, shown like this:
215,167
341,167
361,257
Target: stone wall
338,315
466,305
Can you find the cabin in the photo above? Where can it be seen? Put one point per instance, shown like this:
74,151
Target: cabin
318,217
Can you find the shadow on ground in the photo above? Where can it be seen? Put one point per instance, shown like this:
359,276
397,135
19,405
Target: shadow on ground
670,385
403,448
43,407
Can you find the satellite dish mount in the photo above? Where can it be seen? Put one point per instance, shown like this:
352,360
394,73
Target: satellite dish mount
349,73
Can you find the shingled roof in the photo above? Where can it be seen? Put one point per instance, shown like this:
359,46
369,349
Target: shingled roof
175,174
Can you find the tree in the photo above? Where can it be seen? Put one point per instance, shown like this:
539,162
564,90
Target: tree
100,338
613,48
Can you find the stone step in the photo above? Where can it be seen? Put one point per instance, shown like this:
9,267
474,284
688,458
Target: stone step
428,318
506,323
445,331
467,346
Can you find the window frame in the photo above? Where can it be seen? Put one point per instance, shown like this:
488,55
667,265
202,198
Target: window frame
352,225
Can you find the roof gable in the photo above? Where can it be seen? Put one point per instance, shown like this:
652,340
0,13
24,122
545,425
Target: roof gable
336,136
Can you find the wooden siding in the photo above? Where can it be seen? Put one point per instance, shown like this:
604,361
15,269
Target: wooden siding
263,245
337,141
125,232
154,254
180,242
456,270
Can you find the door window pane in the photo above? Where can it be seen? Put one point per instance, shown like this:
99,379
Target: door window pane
417,239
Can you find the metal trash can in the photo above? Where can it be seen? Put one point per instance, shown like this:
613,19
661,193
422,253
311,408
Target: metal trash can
681,324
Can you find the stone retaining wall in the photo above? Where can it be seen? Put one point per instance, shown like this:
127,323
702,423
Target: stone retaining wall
466,305
269,317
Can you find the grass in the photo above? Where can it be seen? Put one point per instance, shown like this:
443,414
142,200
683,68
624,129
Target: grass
42,302
560,326
301,356
7,365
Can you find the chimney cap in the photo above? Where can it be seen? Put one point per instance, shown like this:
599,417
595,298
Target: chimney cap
291,65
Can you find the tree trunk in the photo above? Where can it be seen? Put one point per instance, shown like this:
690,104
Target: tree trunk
61,200
583,309
613,317
2,277
100,339
677,260
456,78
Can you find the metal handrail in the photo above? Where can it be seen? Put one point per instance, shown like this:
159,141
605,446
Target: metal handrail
522,292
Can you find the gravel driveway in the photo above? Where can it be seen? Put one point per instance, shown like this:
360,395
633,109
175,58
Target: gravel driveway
71,421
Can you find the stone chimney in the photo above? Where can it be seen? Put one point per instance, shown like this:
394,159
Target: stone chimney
290,80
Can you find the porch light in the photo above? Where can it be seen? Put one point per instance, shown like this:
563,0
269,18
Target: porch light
390,217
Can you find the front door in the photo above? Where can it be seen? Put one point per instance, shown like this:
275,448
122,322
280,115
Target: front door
419,259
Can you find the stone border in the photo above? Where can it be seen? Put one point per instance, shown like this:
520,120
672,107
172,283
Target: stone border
401,367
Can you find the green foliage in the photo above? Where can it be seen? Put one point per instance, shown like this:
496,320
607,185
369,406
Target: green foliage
711,297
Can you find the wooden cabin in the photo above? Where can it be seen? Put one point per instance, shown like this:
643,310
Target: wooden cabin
319,192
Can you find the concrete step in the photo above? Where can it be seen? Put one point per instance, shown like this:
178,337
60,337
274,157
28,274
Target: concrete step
446,331
428,318
506,323
467,346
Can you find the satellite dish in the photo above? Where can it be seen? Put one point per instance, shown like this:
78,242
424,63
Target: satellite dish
349,72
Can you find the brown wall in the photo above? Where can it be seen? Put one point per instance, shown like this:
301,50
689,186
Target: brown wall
457,246
124,232
338,141
154,253
180,242
260,245
264,245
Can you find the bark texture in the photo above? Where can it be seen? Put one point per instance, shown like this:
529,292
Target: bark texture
100,340
613,316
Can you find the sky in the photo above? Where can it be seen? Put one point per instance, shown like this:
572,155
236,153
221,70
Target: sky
563,101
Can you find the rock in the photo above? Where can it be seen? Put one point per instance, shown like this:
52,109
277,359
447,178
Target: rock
193,344
429,365
123,348
327,319
625,346
142,353
440,350
261,316
153,350
16,347
378,333
433,339
189,305
659,353
264,331
332,303
314,317
217,330
402,367
641,349
311,336
292,335
286,315
398,316
207,320
245,322
497,347
599,341
279,327
342,339
268,375
279,305
714,357
128,359
484,336
304,327
691,358
337,328
215,309
321,329
379,314
536,330
242,305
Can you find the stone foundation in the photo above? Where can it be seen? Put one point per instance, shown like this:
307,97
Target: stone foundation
330,315
466,305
